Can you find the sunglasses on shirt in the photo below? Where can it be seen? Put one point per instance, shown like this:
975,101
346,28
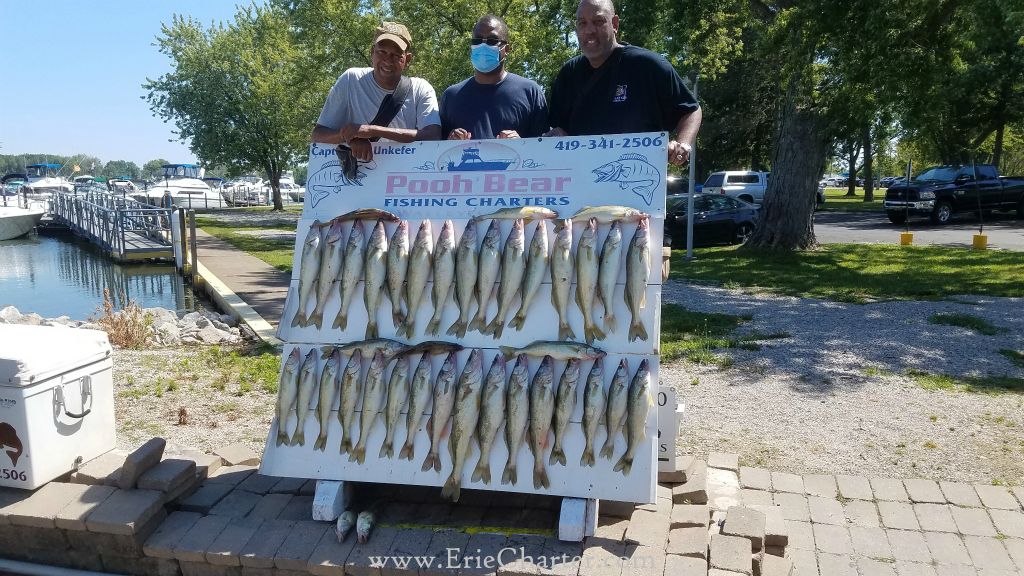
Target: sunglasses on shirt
488,41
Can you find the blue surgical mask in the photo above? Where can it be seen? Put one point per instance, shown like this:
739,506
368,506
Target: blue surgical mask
485,58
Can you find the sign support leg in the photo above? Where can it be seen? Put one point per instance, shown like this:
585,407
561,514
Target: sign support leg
330,499
577,519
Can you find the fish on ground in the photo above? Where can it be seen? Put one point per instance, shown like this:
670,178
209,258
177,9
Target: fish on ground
561,277
638,269
512,269
465,417
517,416
331,261
637,407
556,349
594,400
520,213
365,522
420,260
565,405
608,274
309,270
398,393
398,265
307,386
328,389
618,396
536,268
492,413
419,397
542,406
444,274
609,214
586,280
287,390
375,269
488,267
466,265
351,274
346,522
444,402
351,389
374,391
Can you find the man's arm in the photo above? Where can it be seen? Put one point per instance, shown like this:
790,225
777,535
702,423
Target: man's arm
686,133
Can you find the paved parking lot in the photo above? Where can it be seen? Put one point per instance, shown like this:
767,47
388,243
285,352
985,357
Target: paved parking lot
1003,229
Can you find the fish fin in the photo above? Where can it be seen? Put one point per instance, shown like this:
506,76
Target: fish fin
508,351
609,446
386,449
588,457
597,333
509,475
346,446
477,323
428,462
637,330
540,478
557,456
451,489
358,454
340,321
482,472
299,319
518,320
499,329
624,465
397,317
298,439
315,319
282,438
610,323
321,443
434,326
565,331
457,327
406,453
371,330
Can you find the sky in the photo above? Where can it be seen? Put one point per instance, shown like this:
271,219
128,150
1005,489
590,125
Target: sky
73,74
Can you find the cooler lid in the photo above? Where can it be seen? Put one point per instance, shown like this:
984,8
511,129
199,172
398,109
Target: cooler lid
31,354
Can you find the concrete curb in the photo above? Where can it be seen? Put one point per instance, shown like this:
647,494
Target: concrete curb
227,300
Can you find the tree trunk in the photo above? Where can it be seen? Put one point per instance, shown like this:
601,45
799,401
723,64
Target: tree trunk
869,184
787,216
997,150
851,179
275,185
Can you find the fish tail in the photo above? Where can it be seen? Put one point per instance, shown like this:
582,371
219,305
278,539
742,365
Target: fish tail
477,323
397,317
610,323
320,443
588,457
341,321
624,464
371,329
298,439
482,472
435,325
406,453
492,325
282,438
499,329
346,446
387,449
540,477
609,446
596,332
637,330
358,454
299,319
565,331
557,456
451,489
518,320
509,475
428,462
315,319
458,327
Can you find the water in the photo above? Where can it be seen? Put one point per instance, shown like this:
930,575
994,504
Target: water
65,276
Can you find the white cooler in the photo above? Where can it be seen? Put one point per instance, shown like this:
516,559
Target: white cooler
56,402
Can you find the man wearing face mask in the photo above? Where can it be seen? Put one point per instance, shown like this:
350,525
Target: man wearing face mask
493,103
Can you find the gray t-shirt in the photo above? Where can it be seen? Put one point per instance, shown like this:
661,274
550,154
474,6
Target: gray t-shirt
356,97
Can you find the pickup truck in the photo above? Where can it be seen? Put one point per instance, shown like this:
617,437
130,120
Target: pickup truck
942,191
746,185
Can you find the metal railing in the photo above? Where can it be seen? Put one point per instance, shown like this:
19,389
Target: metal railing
116,223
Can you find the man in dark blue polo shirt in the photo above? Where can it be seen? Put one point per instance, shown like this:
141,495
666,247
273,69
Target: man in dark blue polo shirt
613,88
493,103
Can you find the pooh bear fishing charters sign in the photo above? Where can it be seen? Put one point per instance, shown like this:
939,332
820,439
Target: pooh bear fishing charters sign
477,314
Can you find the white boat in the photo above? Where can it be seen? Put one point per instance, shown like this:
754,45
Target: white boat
246,191
16,221
183,187
43,180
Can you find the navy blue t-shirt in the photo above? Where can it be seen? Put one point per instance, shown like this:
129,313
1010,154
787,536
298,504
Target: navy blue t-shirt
515,103
641,93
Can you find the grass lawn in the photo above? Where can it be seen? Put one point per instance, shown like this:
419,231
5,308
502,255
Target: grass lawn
695,335
274,251
860,272
836,200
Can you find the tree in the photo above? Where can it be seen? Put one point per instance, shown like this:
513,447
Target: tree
121,169
153,169
235,92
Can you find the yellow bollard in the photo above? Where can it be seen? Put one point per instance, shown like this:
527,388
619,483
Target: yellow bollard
980,241
906,238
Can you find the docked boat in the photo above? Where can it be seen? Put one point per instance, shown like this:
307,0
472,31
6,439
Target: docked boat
182,186
17,215
44,179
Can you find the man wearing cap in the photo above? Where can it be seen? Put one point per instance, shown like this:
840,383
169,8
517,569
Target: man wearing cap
614,88
493,103
355,100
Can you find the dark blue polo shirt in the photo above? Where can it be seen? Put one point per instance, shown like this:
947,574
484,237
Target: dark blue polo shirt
515,103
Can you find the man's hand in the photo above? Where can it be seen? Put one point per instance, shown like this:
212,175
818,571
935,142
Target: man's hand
361,149
557,132
460,134
508,134
678,154
352,131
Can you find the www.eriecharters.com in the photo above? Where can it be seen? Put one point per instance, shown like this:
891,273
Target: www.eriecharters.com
455,558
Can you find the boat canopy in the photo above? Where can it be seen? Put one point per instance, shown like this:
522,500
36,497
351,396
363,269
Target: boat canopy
51,166
181,170
13,176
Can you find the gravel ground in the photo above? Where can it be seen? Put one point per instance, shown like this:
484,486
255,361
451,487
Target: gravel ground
815,401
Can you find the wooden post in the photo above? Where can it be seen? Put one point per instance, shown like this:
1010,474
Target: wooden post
181,240
192,242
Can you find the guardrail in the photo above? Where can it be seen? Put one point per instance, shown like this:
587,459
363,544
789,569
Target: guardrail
127,229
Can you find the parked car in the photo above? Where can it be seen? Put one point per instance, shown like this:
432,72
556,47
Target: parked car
745,185
717,219
941,191
680,185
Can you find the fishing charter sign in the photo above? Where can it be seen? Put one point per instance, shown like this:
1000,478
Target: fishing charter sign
477,315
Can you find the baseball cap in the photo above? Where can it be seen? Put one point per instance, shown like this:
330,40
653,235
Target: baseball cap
395,32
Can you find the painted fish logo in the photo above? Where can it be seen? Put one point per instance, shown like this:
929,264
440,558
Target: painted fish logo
631,170
330,179
9,439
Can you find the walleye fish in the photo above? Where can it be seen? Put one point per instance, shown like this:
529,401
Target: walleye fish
517,416
286,392
555,349
389,348
492,412
398,264
536,268
561,277
418,398
308,274
374,269
638,268
416,278
512,269
594,400
465,416
586,280
364,525
637,407
488,266
432,347
618,396
346,522
307,385
521,213
542,406
466,265
367,214
444,274
330,265
608,274
351,273
351,390
609,214
328,389
444,402
398,393
374,390
565,405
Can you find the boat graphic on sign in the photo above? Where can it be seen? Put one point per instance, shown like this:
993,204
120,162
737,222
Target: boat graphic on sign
472,162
